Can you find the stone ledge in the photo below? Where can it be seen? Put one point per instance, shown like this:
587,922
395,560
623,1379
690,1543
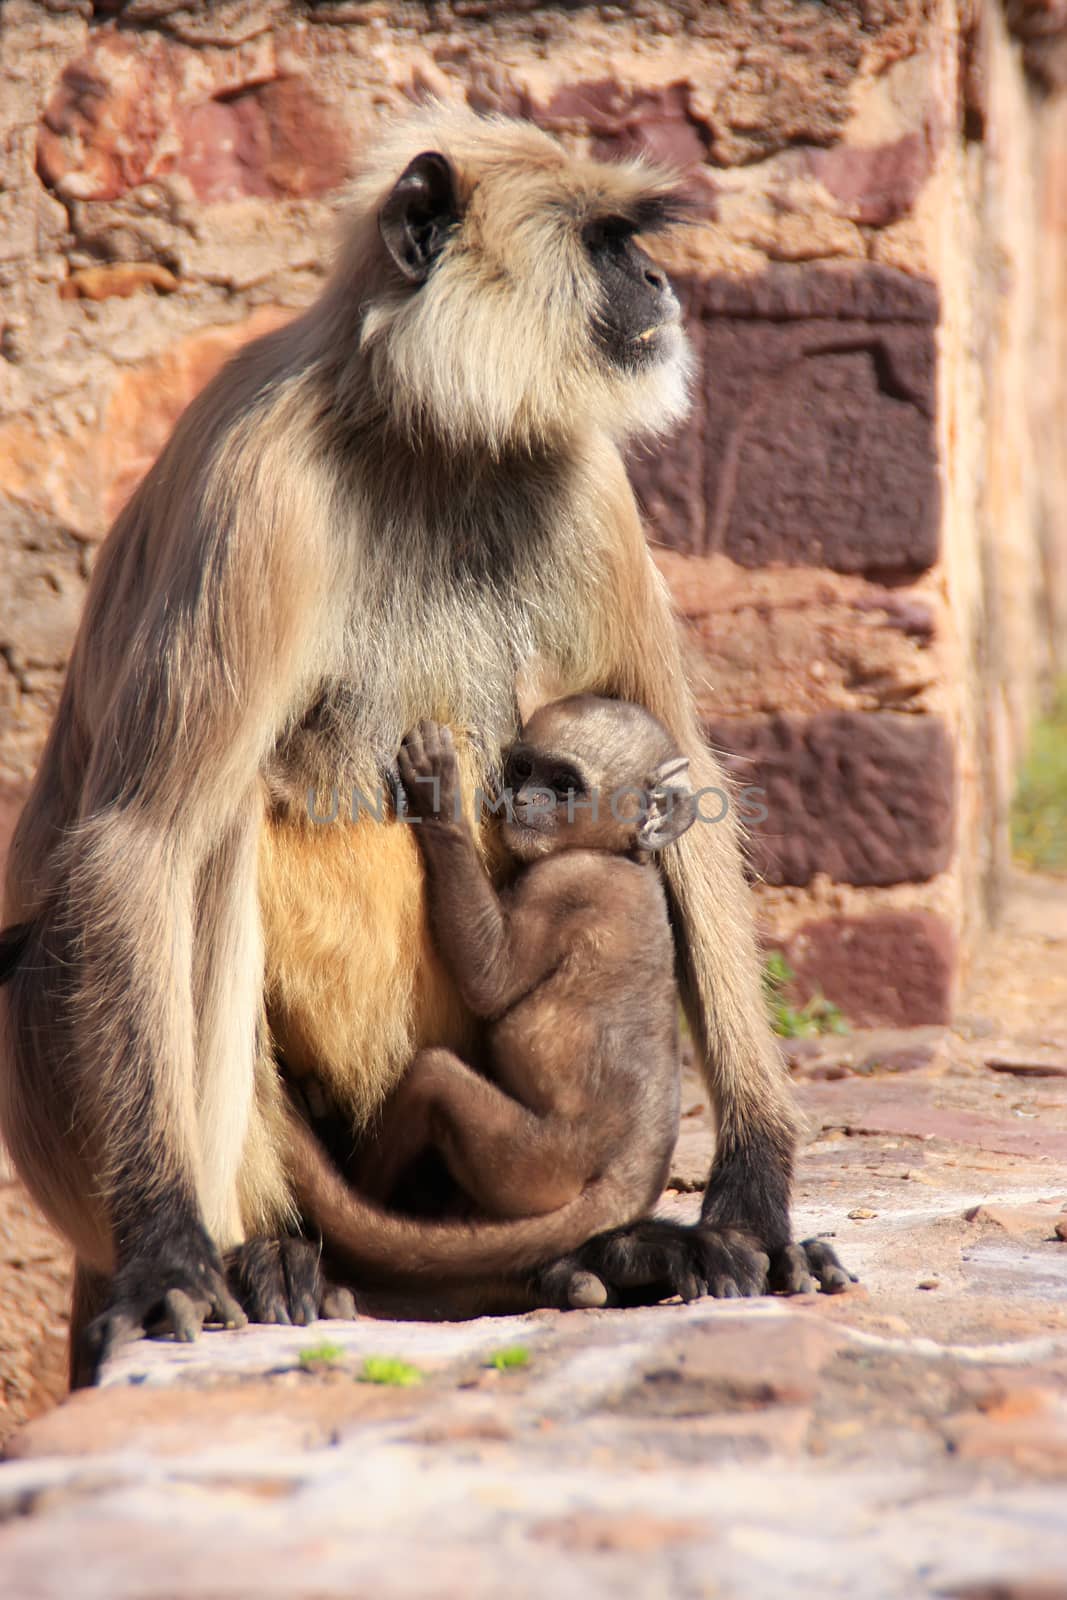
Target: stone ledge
914,1427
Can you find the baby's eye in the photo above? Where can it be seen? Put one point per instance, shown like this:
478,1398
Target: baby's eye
564,783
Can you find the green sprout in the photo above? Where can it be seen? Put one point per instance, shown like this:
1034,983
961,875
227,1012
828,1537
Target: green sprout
321,1355
390,1370
509,1358
815,1017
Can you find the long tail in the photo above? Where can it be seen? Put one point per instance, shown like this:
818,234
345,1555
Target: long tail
13,942
395,1249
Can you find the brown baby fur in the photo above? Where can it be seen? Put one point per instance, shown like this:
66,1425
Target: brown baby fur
571,970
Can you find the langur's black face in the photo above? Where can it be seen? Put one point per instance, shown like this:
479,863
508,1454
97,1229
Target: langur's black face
551,801
594,774
519,303
638,307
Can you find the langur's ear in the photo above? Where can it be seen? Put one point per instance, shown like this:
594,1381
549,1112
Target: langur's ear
672,805
418,215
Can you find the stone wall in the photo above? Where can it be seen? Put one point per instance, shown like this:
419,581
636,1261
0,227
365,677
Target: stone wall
863,523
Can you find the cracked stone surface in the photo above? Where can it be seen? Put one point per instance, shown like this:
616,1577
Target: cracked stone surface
907,1438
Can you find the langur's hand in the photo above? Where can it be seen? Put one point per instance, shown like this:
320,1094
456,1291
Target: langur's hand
429,773
173,1289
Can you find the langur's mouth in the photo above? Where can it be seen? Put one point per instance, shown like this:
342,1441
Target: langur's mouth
666,324
528,825
523,837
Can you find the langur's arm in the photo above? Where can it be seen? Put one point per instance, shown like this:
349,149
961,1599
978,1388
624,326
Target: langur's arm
187,705
479,941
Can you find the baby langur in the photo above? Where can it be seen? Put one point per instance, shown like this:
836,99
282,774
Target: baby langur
571,970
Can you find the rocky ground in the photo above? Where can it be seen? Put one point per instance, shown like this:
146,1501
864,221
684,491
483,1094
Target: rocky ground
907,1438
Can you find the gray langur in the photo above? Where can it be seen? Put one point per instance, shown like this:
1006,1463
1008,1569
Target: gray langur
375,515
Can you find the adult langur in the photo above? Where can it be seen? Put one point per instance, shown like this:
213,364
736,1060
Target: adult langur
375,515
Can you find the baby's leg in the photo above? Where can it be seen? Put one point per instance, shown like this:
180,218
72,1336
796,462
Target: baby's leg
509,1161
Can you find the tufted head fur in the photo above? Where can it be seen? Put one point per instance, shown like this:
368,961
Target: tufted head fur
498,342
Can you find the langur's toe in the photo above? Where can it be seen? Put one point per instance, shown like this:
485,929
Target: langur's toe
586,1292
807,1267
340,1305
281,1281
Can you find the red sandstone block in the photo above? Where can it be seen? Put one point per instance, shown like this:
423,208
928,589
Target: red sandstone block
891,968
867,798
812,440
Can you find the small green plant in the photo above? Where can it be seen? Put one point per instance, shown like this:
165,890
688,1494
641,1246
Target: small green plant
509,1358
816,1016
390,1370
1039,811
321,1355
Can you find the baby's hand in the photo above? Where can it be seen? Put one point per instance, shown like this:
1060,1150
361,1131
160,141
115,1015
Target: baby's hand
429,772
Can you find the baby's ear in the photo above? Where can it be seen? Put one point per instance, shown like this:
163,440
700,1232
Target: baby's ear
672,805
536,684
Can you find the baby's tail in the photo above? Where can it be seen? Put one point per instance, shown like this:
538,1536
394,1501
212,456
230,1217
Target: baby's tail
385,1248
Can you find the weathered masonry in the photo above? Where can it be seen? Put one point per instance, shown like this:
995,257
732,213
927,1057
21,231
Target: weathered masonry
864,526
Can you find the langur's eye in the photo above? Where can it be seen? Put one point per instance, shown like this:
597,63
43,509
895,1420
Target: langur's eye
607,233
520,768
565,783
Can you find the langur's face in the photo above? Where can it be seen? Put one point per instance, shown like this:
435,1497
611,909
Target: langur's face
637,318
520,301
553,804
586,774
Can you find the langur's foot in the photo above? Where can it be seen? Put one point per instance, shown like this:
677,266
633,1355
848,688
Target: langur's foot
173,1288
653,1259
805,1267
282,1281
